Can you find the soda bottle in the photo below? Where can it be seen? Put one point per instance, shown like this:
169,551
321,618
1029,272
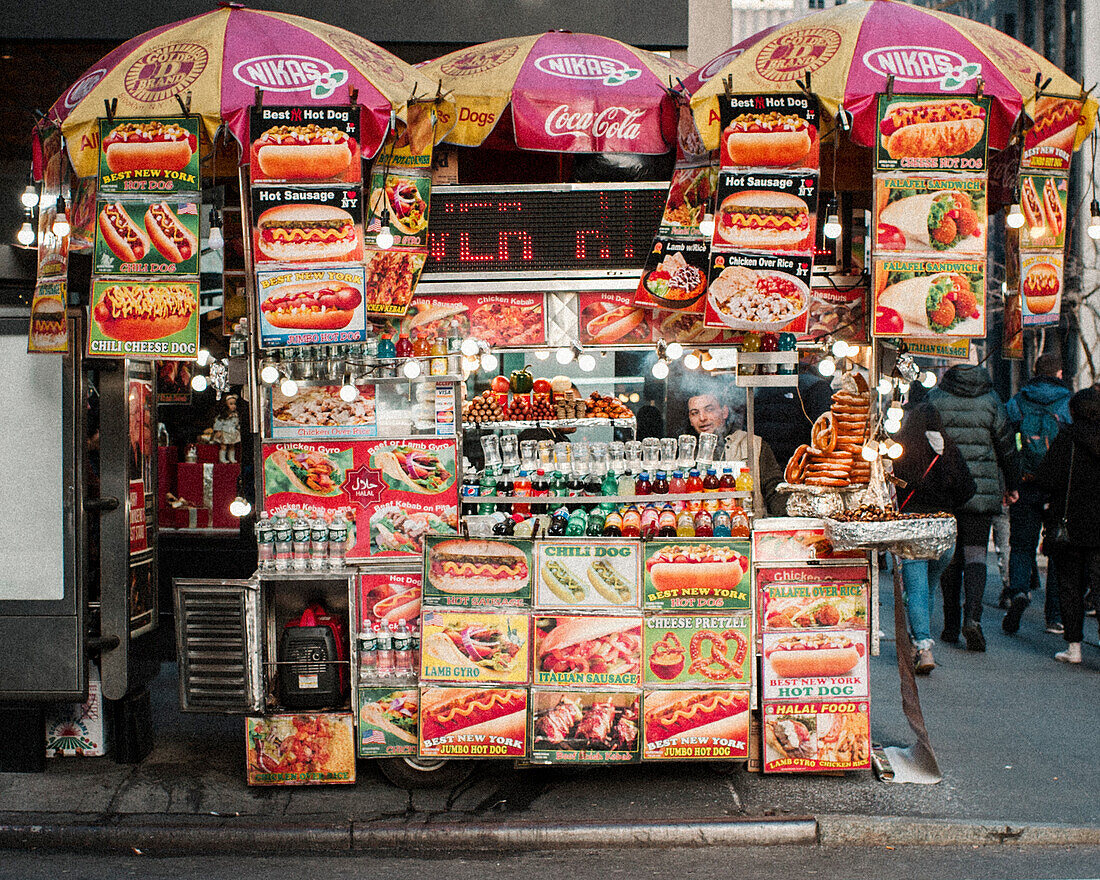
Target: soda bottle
368,653
624,484
559,488
505,527
284,545
704,524
540,488
402,651
721,524
438,365
522,490
414,648
578,522
384,665
318,544
486,486
470,486
559,522
641,485
739,522
728,482
677,485
694,482
744,481
265,543
685,524
711,483
596,519
650,517
576,485
300,535
660,484
593,484
505,486
404,347
666,522
337,540
387,354
613,525
631,523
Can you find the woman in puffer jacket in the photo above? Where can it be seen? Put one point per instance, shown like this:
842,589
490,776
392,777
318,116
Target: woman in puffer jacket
975,419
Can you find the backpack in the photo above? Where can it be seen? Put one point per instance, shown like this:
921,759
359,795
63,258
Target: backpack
1038,428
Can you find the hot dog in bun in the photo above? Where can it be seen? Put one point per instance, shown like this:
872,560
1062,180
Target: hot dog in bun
813,654
1032,206
326,305
600,645
400,606
486,712
48,328
1041,288
680,567
948,127
1052,208
772,140
300,233
137,146
671,715
612,325
480,567
171,237
304,152
1055,123
123,236
762,219
136,312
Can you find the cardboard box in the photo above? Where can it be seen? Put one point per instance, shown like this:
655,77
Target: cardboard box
76,729
225,490
313,749
184,518
167,461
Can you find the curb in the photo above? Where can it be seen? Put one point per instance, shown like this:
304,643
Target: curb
186,835
853,830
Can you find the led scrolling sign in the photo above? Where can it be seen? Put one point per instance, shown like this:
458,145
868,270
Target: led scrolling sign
527,229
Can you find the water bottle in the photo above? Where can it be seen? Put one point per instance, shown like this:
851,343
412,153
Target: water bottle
414,649
300,534
318,544
384,663
265,543
337,541
402,651
284,547
368,654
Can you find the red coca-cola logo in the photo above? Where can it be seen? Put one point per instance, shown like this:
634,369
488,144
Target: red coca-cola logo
612,122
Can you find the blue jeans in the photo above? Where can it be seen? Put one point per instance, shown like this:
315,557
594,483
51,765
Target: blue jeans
1026,517
917,575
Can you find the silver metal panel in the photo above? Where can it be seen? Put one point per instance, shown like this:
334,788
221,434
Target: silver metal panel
499,189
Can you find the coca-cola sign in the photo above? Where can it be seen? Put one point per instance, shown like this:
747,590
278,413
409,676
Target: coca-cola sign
612,122
610,71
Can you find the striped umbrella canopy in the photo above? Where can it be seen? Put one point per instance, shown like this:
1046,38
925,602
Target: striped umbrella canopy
568,93
219,58
848,52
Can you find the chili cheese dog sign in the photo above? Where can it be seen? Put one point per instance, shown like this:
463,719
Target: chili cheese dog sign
149,320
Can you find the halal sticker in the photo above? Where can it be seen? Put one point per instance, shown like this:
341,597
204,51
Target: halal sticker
796,53
165,71
479,60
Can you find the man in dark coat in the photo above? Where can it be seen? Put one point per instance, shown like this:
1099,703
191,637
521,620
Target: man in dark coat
975,418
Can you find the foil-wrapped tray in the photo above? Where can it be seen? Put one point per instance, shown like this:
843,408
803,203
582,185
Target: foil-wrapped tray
917,538
819,501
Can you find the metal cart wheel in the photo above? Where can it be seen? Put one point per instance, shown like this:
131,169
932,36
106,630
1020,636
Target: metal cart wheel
410,772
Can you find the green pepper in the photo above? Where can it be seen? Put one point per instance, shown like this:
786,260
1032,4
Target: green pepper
522,381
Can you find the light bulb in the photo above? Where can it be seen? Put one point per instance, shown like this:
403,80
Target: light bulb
894,412
706,226
563,355
587,362
240,507
826,367
384,239
885,386
692,360
489,362
1015,218
348,392
1037,231
635,397
61,223
853,351
411,368
928,380
840,348
25,235
832,228
542,354
269,373
1093,229
470,348
203,357
709,361
869,452
469,364
903,387
288,387
215,239
891,426
674,351
198,382
894,450
624,397
29,197
660,369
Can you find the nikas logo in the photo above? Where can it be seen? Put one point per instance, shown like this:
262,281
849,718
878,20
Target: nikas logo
291,73
922,64
610,71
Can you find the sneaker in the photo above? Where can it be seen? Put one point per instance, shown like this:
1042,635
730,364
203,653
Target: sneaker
951,637
1056,628
975,638
1011,623
1005,600
1091,612
923,663
1072,653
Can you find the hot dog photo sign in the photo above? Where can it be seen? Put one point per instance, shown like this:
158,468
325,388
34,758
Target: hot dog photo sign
137,238
300,225
311,307
815,665
148,156
697,575
477,572
149,320
761,210
305,144
695,724
770,131
587,575
930,133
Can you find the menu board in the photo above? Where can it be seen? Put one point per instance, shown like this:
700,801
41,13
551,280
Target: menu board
587,575
690,196
609,319
943,216
697,575
395,491
584,727
770,131
391,279
141,157
300,225
588,651
761,293
929,298
695,724
769,211
388,721
1048,144
403,197
386,597
500,320
708,650
481,722
49,327
801,598
311,306
1043,200
318,411
795,539
136,238
143,319
814,736
302,749
475,647
53,250
838,309
675,275
807,665
1041,282
305,144
927,133
475,573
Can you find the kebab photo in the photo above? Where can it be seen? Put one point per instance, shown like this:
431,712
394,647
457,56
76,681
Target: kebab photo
585,721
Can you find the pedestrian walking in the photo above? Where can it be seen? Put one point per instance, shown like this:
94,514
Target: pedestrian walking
1070,474
936,480
975,419
1037,413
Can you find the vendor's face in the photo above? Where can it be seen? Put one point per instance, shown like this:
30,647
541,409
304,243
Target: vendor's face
706,414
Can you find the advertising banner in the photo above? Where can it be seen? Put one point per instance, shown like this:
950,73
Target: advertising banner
697,575
675,275
136,238
146,320
318,411
1043,203
698,650
299,225
929,133
768,211
486,572
690,195
387,597
696,724
501,320
758,293
609,318
49,329
483,648
581,575
300,749
943,216
1048,144
139,157
473,722
815,665
816,597
817,736
311,307
305,144
388,720
402,199
391,277
838,310
584,727
770,131
783,539
1041,287
929,298
588,651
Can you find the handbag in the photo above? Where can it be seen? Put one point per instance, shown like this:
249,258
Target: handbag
1060,537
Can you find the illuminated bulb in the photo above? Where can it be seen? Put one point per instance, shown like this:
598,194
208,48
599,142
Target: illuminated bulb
542,354
29,196
348,392
269,373
411,369
894,450
489,362
673,351
624,398
840,348
1038,231
25,235
660,369
832,228
203,357
706,226
635,397
928,380
240,507
563,355
709,361
692,360
1093,229
891,426
586,362
894,413
469,364
903,387
216,241
288,387
61,221
853,351
198,382
1015,218
869,452
384,239
826,367
885,386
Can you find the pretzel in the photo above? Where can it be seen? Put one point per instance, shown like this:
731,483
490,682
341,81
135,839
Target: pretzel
796,467
828,482
742,648
716,658
823,433
668,645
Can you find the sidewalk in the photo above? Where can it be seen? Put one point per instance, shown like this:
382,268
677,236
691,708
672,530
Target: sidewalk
1015,732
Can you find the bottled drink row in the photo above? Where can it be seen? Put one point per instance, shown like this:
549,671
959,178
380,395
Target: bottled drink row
379,357
388,652
302,541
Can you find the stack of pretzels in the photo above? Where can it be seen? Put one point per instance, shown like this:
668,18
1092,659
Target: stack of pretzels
832,459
